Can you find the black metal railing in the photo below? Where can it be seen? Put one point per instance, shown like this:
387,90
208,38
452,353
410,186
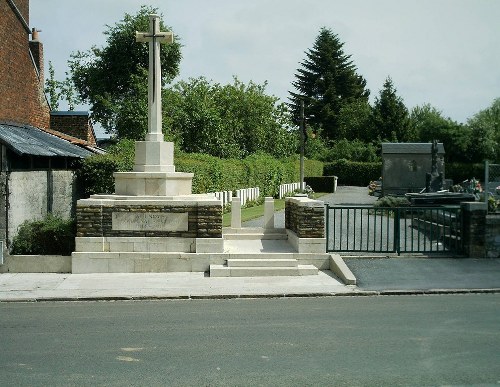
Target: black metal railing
393,230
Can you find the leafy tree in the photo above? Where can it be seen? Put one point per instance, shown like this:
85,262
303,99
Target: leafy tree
485,130
60,90
390,115
354,150
51,88
228,121
429,124
326,82
113,79
355,121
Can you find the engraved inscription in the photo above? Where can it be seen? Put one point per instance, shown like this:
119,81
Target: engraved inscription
133,221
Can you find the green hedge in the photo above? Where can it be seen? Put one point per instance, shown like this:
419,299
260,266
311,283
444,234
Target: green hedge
321,183
210,173
353,172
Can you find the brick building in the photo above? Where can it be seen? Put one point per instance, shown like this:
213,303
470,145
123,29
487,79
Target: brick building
22,99
38,148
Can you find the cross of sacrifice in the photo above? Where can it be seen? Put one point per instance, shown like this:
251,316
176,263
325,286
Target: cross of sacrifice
154,37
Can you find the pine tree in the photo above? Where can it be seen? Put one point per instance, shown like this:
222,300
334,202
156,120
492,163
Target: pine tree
326,82
391,119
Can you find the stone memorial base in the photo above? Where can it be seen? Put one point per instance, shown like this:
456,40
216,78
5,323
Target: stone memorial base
118,233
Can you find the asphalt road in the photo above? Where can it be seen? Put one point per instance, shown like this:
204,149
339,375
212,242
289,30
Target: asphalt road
376,341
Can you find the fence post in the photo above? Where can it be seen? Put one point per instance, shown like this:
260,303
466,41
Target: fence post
236,213
397,230
268,213
486,180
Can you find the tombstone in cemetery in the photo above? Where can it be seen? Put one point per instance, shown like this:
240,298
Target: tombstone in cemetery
153,218
434,181
405,167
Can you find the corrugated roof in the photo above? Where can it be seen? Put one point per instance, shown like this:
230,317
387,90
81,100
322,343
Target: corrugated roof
28,140
409,147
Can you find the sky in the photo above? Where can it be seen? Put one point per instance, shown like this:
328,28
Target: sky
442,52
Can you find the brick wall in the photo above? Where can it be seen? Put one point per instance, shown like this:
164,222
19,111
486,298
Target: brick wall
76,124
21,88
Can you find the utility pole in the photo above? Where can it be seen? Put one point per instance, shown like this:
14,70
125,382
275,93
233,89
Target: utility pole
302,140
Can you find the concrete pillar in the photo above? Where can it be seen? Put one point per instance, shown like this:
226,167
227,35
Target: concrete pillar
236,213
268,213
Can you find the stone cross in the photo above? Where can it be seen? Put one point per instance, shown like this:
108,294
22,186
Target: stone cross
154,37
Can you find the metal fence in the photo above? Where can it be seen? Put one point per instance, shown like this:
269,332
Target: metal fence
491,181
393,230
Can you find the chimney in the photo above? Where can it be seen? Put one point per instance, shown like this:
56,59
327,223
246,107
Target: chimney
36,48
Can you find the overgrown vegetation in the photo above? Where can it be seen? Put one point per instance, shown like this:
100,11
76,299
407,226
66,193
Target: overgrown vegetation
49,236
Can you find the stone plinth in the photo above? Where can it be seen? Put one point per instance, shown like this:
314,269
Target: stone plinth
154,156
153,183
112,227
154,173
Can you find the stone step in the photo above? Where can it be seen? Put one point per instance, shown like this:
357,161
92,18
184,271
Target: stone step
253,230
224,271
255,236
262,262
253,256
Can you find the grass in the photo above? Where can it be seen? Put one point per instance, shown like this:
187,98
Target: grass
258,211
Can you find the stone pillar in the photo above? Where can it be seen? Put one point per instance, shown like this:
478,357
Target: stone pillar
492,239
474,229
268,213
236,213
305,224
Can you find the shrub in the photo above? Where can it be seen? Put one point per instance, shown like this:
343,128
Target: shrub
51,235
391,202
353,172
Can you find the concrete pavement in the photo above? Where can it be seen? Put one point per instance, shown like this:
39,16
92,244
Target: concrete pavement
122,286
376,276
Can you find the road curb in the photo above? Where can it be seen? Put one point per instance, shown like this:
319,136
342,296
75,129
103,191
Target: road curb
355,293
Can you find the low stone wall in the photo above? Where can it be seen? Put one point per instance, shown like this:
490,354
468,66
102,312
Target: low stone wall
492,236
305,217
36,264
202,221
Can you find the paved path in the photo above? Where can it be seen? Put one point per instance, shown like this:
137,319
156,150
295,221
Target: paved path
50,286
